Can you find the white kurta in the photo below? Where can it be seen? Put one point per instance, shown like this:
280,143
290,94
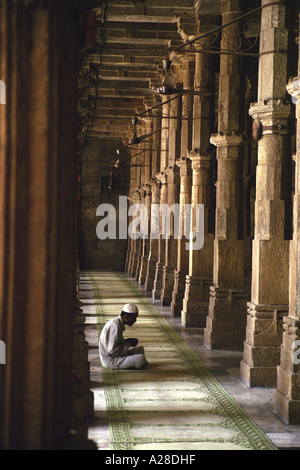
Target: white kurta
113,348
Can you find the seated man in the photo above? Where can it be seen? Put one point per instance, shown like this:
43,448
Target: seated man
116,352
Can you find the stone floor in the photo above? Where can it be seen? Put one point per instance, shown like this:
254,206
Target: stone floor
257,402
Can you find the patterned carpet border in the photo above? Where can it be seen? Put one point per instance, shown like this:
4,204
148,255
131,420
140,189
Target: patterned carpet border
250,437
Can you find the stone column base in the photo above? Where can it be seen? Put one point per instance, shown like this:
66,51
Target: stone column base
127,258
136,275
168,284
157,285
178,293
262,344
226,322
143,271
287,409
129,263
258,376
83,397
195,302
287,395
134,261
150,276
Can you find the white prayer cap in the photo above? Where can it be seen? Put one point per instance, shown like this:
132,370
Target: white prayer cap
130,308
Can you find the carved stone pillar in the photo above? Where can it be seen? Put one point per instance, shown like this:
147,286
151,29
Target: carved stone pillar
129,246
171,241
226,323
135,242
155,154
164,141
127,256
157,285
38,220
130,242
139,241
141,169
130,251
83,398
287,393
131,198
146,166
173,198
270,259
199,278
188,72
182,268
155,197
145,241
249,172
153,248
162,178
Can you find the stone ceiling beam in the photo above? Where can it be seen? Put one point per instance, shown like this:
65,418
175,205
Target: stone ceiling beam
110,128
162,14
134,52
154,4
104,135
115,102
112,114
121,82
133,74
158,30
135,39
121,94
129,110
141,18
150,66
142,43
119,89
108,122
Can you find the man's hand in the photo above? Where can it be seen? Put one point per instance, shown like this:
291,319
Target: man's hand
133,341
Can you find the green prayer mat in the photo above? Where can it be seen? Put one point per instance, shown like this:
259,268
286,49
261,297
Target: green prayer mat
175,403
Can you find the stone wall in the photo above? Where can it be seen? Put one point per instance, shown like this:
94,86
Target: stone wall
96,165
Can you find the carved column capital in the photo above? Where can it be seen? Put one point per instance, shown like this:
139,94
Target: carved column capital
135,196
146,188
227,139
273,115
162,178
184,165
184,58
187,27
171,170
